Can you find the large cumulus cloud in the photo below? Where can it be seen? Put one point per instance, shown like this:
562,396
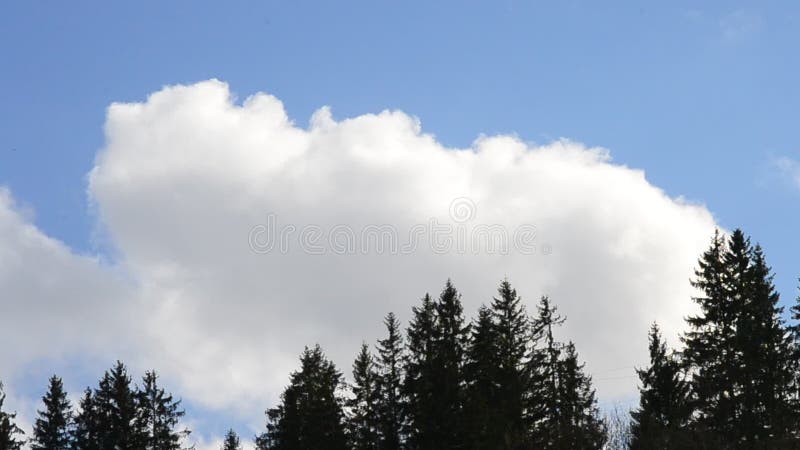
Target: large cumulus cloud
188,175
52,301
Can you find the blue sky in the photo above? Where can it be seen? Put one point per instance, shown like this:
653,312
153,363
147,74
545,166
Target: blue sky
702,97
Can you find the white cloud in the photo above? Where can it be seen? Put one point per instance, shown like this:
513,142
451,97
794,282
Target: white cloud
740,24
789,169
186,175
53,301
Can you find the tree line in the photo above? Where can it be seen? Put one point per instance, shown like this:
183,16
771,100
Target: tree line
501,381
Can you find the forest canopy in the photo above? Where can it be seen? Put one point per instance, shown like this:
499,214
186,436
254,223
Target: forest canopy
501,380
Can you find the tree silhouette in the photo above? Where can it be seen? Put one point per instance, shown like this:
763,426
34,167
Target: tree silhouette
419,383
231,441
116,405
310,414
363,406
392,407
8,429
52,428
738,349
87,430
663,417
159,415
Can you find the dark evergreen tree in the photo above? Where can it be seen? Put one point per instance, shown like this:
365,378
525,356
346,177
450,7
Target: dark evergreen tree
561,406
794,396
739,350
310,415
419,383
86,432
159,415
542,409
498,374
231,441
483,421
115,403
262,442
391,403
9,431
52,428
662,420
709,347
794,328
451,337
767,367
363,418
579,422
512,376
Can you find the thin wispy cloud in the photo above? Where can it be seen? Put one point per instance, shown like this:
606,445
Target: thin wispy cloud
740,24
789,170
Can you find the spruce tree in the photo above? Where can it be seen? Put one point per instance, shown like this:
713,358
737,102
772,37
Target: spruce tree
739,349
579,422
542,409
391,402
86,432
262,442
231,441
52,428
9,431
498,373
663,417
116,405
512,377
451,336
794,396
561,405
363,406
310,415
159,415
482,409
768,360
709,346
419,383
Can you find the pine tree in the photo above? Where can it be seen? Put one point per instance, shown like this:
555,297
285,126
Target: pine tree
709,347
498,373
8,429
739,349
664,413
159,415
116,406
363,406
419,383
231,441
52,428
561,405
262,442
579,422
794,395
310,415
283,424
86,432
768,365
391,403
542,409
512,377
451,336
482,409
